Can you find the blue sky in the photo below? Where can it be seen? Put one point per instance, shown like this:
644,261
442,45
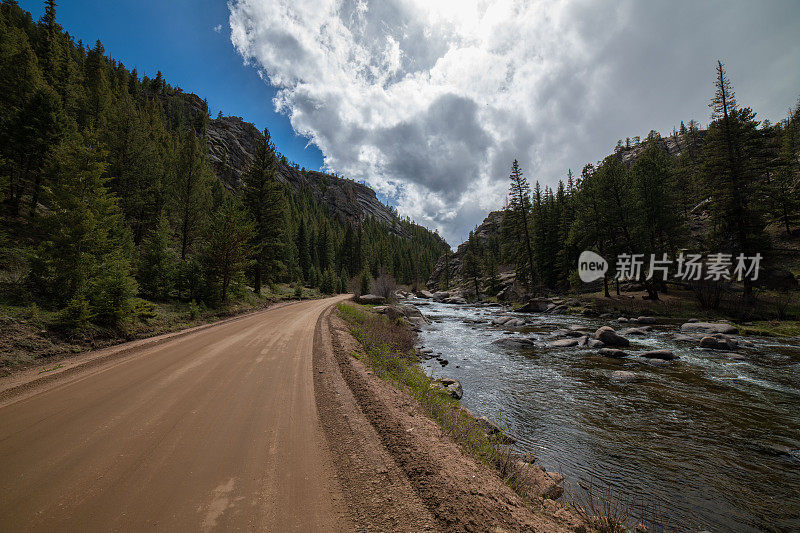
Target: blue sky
430,102
178,38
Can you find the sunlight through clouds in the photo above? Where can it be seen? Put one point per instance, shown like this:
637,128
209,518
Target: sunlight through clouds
429,102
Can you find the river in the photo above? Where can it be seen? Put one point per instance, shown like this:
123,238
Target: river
706,442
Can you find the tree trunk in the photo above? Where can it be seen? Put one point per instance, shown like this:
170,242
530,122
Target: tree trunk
257,279
605,287
37,186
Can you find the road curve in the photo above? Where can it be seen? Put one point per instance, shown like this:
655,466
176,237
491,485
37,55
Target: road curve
217,429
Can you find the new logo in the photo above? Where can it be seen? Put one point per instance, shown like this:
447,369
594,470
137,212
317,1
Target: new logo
591,266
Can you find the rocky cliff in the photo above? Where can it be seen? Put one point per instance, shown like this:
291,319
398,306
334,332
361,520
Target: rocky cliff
232,143
490,227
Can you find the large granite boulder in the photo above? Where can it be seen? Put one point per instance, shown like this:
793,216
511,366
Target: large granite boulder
609,337
708,328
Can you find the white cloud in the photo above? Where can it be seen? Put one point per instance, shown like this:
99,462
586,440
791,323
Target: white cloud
429,102
218,28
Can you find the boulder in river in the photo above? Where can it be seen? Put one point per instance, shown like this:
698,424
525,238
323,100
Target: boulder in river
664,355
611,352
635,331
624,376
449,386
683,337
536,305
609,337
594,343
563,343
718,341
708,327
644,320
515,343
424,294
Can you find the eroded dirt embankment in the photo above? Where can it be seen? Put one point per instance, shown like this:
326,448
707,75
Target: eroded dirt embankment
426,481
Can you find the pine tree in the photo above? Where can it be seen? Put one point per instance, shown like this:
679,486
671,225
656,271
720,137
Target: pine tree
784,188
657,217
50,53
365,282
493,279
85,247
303,254
266,199
157,263
732,151
227,252
189,201
519,208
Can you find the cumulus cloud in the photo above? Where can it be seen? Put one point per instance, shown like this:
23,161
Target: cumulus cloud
429,102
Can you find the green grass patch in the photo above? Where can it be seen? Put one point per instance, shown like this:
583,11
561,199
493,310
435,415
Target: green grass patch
771,328
389,351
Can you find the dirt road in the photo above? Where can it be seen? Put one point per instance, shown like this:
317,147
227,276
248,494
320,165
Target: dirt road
217,429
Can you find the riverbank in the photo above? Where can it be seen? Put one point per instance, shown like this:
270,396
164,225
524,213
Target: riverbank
667,434
459,464
33,337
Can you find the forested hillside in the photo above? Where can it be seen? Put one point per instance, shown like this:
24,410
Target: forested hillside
117,185
733,188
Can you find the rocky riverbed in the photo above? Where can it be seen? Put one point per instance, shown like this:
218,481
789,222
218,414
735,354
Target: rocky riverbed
699,423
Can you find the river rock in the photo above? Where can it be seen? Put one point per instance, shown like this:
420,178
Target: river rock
455,300
449,386
563,343
499,321
611,352
664,355
424,294
635,331
594,343
644,320
718,341
708,327
373,299
515,343
493,430
624,376
536,305
514,323
440,296
682,337
610,337
544,484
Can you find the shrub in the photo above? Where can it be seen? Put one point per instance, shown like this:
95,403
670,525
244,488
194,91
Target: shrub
384,285
76,315
298,292
194,310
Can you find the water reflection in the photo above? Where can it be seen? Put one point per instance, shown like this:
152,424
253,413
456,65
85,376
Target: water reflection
712,439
